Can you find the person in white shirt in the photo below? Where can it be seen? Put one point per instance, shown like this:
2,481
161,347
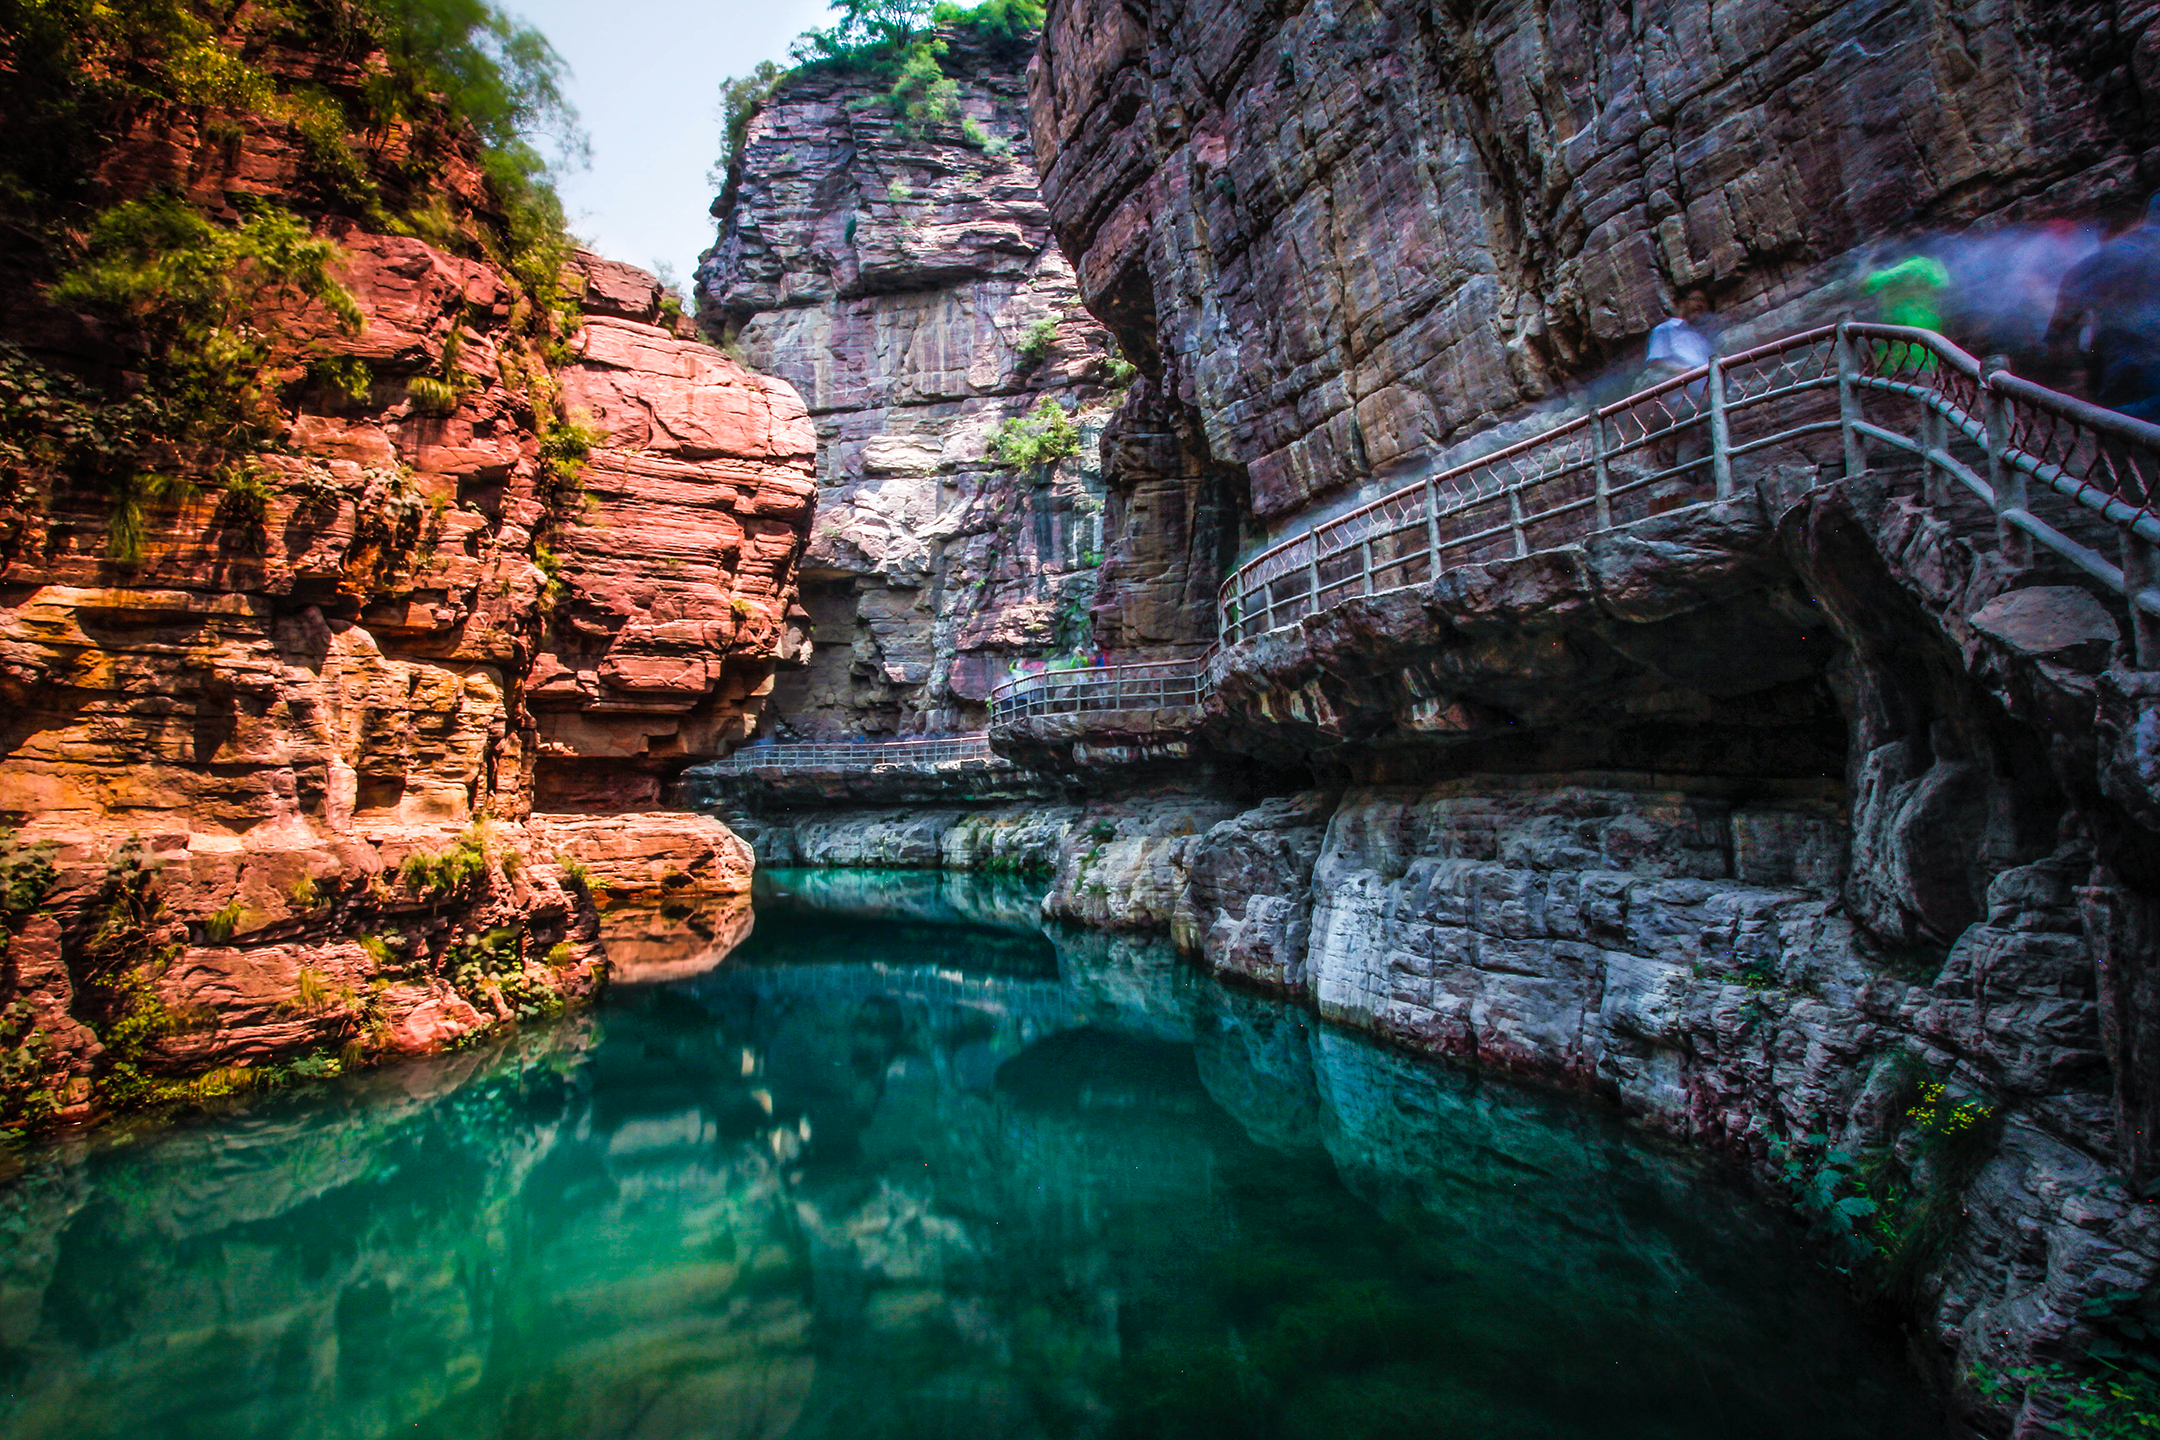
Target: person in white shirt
1677,346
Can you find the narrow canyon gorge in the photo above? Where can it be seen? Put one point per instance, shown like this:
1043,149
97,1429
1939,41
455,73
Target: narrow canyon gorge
1146,421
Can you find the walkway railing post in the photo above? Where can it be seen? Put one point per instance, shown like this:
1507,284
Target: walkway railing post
1601,470
1991,416
1312,575
1720,435
1936,441
1432,529
2005,480
1117,693
2141,580
1848,402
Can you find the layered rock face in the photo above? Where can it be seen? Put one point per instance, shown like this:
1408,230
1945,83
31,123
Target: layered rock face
284,758
1759,817
1352,237
906,284
678,575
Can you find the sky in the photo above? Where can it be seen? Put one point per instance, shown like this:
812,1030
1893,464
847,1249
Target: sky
645,78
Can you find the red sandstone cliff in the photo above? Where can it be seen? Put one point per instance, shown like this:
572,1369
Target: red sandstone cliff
285,758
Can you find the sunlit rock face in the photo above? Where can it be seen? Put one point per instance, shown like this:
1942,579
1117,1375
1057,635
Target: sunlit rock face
416,632
906,284
1352,236
679,573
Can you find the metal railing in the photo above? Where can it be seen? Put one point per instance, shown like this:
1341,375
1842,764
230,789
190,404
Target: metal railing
1675,444
857,755
1141,685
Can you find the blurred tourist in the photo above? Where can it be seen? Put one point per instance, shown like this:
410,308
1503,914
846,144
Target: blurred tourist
2109,307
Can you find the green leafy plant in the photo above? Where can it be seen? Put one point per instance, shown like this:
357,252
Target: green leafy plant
971,130
1042,437
122,959
442,873
432,396
739,101
2107,1402
565,446
245,501
491,964
27,875
575,872
1072,627
219,925
1889,1221
898,41
203,299
1041,338
189,293
550,567
135,494
27,1098
191,290
311,993
346,376
304,893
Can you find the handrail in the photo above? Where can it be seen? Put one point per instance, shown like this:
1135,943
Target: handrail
1623,462
929,752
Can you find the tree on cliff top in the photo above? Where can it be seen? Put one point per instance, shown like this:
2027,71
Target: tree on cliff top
875,31
896,40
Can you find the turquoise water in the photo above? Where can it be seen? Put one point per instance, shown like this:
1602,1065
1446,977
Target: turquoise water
906,1166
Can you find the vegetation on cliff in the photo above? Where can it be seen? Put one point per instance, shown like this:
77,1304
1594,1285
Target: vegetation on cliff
208,288
902,43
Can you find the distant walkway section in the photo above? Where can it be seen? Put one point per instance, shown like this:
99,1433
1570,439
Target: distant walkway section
930,753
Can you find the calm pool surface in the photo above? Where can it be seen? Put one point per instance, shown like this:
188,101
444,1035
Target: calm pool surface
906,1166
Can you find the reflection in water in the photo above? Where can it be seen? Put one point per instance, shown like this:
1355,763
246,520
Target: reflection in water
912,1168
673,939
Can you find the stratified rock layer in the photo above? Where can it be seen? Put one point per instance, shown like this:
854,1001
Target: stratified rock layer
678,574
1347,238
1747,815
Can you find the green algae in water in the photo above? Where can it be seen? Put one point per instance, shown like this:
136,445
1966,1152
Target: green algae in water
907,1166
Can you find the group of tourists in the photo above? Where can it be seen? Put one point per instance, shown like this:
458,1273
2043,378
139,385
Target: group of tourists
2105,307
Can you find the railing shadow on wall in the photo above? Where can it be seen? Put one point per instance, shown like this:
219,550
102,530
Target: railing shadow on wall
1973,429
